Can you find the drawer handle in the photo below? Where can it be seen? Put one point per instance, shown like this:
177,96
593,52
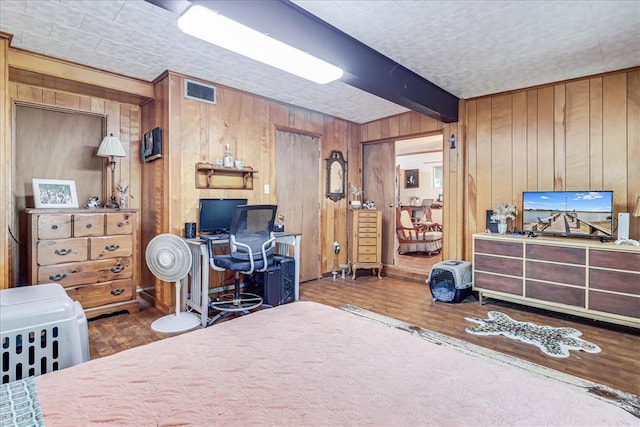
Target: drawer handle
89,225
120,224
58,277
117,292
54,227
62,252
117,269
112,247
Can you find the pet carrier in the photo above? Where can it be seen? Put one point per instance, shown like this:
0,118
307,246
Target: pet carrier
41,330
450,281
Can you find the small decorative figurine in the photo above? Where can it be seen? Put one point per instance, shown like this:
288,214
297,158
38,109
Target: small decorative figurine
93,203
123,193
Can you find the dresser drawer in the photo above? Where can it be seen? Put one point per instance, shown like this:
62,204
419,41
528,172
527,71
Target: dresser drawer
61,251
88,225
77,273
367,249
111,247
367,258
99,294
54,226
367,241
119,223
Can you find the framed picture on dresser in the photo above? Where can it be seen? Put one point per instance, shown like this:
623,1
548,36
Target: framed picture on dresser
54,193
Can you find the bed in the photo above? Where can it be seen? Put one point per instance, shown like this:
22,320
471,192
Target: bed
307,364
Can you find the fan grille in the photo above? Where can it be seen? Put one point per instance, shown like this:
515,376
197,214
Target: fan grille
168,257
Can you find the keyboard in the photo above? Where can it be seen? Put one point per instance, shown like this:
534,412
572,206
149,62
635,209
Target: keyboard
222,236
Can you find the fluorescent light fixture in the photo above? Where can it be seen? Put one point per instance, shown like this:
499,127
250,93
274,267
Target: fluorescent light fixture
214,28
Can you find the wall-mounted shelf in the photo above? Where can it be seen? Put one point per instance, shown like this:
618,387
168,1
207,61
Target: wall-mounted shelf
210,176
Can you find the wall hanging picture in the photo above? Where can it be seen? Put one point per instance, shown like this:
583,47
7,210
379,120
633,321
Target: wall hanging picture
411,177
54,193
152,145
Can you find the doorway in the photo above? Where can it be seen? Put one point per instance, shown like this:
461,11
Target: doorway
419,177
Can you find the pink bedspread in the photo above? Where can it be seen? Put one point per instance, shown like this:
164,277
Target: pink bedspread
307,364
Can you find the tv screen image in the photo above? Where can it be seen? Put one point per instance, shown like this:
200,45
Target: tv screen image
215,215
568,213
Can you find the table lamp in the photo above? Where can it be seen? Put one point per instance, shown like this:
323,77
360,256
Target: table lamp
111,147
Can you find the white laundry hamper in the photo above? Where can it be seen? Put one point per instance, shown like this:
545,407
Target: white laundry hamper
41,330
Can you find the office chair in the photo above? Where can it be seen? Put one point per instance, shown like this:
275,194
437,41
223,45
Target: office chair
251,249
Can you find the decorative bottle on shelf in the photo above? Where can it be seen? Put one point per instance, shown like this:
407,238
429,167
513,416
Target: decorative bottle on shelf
227,160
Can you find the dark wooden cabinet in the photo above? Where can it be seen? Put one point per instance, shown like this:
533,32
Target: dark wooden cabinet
581,277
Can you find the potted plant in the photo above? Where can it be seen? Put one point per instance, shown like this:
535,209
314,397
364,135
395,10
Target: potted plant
502,213
356,192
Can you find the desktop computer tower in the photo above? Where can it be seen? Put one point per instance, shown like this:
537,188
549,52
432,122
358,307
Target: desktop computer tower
287,278
276,285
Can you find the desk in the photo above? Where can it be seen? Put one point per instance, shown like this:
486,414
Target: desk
197,280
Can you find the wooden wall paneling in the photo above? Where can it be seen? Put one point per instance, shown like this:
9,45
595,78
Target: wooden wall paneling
483,142
474,220
545,139
153,217
501,148
453,217
194,129
633,141
595,134
6,246
519,151
559,131
531,153
615,138
577,157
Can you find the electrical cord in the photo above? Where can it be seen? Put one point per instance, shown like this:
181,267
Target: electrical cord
23,246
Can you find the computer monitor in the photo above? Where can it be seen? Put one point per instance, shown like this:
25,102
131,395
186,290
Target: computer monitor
215,215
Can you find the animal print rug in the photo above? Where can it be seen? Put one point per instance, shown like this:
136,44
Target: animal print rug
552,341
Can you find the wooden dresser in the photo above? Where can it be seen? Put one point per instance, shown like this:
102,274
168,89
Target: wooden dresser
365,251
577,276
92,253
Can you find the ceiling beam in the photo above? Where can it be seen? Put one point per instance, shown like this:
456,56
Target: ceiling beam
364,67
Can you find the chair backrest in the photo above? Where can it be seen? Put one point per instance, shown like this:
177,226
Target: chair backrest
403,219
251,232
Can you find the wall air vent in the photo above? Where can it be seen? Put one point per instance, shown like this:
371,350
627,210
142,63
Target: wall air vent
199,92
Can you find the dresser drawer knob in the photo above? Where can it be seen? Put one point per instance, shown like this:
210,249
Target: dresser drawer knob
58,277
62,252
54,227
117,292
120,224
117,269
112,247
89,225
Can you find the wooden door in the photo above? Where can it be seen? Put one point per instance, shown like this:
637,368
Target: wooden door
378,166
298,192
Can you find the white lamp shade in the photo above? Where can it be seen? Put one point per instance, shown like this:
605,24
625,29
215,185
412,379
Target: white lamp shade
111,147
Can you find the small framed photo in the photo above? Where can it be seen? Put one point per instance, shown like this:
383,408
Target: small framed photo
54,193
411,177
152,145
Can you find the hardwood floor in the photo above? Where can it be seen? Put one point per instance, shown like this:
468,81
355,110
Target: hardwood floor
617,365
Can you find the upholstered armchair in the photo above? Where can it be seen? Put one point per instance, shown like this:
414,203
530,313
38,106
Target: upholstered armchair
425,238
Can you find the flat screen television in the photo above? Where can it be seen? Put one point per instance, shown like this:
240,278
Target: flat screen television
568,213
215,215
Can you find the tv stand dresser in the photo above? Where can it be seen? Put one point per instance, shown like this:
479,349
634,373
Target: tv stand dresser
581,277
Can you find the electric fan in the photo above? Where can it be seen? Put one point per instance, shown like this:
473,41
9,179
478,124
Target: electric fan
169,259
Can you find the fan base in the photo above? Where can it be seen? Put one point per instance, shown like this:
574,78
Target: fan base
175,323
